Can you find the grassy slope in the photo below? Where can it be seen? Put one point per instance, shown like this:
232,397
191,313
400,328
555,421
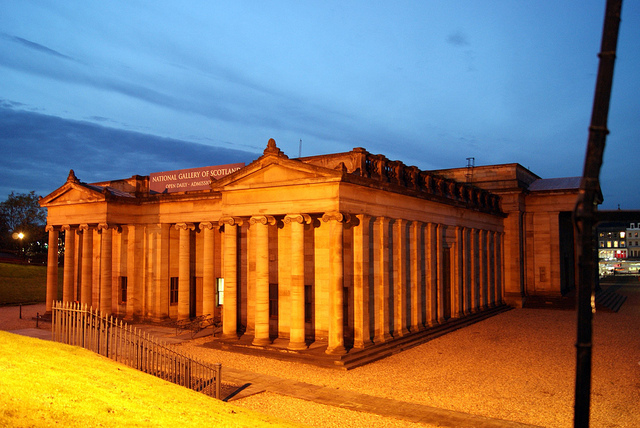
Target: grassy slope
25,283
44,384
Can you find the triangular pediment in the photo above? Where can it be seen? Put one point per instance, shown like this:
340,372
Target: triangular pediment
72,193
273,171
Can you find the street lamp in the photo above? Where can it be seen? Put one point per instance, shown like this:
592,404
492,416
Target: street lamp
20,236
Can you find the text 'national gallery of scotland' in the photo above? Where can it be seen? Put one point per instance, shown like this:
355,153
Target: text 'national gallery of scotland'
344,251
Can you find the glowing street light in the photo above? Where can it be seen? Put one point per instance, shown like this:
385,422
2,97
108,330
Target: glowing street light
20,236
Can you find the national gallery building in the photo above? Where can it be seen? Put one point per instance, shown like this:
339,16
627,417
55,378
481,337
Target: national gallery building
350,250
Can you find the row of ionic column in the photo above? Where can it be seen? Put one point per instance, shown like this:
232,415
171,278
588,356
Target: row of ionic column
417,274
429,274
480,264
436,274
260,225
147,254
84,294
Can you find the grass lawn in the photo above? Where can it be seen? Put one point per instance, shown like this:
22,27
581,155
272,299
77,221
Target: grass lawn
25,283
44,384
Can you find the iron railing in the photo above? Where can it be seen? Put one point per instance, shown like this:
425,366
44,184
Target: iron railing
79,325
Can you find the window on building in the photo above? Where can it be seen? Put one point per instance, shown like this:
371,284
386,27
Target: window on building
601,244
622,234
123,289
608,244
219,291
173,291
615,244
273,301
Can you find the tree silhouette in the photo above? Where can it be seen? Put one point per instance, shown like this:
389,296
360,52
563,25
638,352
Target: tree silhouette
22,223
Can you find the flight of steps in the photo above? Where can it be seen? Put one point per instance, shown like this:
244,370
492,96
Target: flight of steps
608,299
377,352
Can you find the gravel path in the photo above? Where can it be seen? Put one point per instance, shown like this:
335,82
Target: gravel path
518,366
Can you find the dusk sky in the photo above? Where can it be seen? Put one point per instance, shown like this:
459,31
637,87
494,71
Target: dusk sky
116,88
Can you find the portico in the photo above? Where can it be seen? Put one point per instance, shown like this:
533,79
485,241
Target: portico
348,250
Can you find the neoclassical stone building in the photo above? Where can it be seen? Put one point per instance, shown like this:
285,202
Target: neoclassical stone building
350,248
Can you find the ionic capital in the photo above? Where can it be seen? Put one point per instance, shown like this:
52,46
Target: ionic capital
106,226
208,225
65,227
185,226
262,219
231,221
83,227
50,228
298,218
103,226
336,216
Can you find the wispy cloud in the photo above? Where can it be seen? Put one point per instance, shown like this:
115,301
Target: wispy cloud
458,38
39,151
35,46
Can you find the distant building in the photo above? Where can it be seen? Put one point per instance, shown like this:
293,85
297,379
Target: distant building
612,241
348,249
633,240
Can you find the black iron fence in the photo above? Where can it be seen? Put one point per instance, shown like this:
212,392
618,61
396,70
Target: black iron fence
78,325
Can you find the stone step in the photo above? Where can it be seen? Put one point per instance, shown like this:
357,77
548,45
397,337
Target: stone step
608,299
316,355
378,352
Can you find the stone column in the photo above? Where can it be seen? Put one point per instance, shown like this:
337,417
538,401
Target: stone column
361,282
106,277
491,265
135,258
417,278
336,283
440,244
381,279
457,282
466,268
208,276
499,267
400,278
69,264
474,274
431,273
484,301
261,232
296,332
230,275
147,284
52,268
161,262
184,268
87,265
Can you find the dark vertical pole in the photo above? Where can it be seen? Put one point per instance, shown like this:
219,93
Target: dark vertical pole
585,211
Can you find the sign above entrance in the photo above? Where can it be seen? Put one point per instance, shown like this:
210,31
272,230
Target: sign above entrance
184,180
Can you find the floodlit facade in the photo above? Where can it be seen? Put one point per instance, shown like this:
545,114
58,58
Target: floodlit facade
349,248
